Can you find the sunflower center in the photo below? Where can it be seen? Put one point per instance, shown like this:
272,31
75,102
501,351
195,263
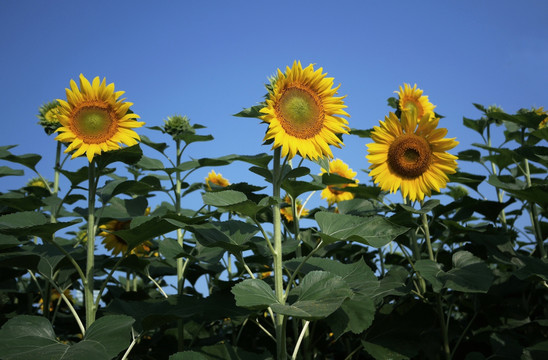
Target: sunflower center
300,112
409,156
94,123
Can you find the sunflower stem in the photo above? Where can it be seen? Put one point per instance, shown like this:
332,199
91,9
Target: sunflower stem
533,213
180,270
278,270
500,194
443,326
90,264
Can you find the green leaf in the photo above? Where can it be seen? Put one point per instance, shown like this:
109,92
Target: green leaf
27,337
356,314
379,352
128,155
469,155
470,180
161,147
27,160
319,294
188,355
477,125
361,133
20,202
253,293
147,230
425,209
147,163
251,112
469,274
334,179
231,235
28,223
296,188
76,177
374,231
7,171
223,198
112,331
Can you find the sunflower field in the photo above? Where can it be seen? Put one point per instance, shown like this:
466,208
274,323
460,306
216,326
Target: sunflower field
412,259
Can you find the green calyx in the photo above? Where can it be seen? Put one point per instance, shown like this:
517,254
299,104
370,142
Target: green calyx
178,125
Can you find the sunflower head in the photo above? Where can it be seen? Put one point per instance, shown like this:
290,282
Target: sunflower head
177,126
411,98
54,298
334,193
94,119
303,113
216,180
287,212
118,245
39,182
541,112
411,155
48,115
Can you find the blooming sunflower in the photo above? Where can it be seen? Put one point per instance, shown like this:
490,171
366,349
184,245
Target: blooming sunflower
303,113
411,155
118,245
332,193
412,98
216,179
287,212
540,111
94,119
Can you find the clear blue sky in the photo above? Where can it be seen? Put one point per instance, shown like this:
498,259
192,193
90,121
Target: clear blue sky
209,59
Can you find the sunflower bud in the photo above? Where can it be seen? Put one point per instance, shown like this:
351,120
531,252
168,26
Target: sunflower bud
177,126
49,117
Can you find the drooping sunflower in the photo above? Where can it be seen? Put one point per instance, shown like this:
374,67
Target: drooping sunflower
94,119
411,98
303,113
217,179
411,155
333,193
287,212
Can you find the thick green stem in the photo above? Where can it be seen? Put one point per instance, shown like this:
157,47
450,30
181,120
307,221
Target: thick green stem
278,270
180,267
534,215
55,189
427,236
443,326
502,214
90,265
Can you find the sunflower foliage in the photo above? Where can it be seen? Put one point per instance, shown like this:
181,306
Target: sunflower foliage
457,271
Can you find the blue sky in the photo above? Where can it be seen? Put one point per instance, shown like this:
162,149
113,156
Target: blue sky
209,59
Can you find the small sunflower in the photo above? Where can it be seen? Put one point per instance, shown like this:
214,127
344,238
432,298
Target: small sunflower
287,212
411,98
411,155
54,297
332,193
38,182
303,113
216,179
95,120
541,112
48,114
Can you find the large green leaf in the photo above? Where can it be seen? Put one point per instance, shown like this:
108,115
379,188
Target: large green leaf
7,171
253,293
319,294
30,223
28,160
231,235
128,155
113,332
356,314
188,355
375,231
26,337
469,274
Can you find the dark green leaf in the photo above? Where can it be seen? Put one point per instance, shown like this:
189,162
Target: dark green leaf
128,155
7,171
161,147
253,293
231,235
296,188
361,133
112,331
470,180
251,112
375,231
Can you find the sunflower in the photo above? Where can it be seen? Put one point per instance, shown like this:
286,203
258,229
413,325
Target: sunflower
411,155
94,119
411,98
303,113
118,245
541,112
48,114
287,212
54,297
333,193
216,179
